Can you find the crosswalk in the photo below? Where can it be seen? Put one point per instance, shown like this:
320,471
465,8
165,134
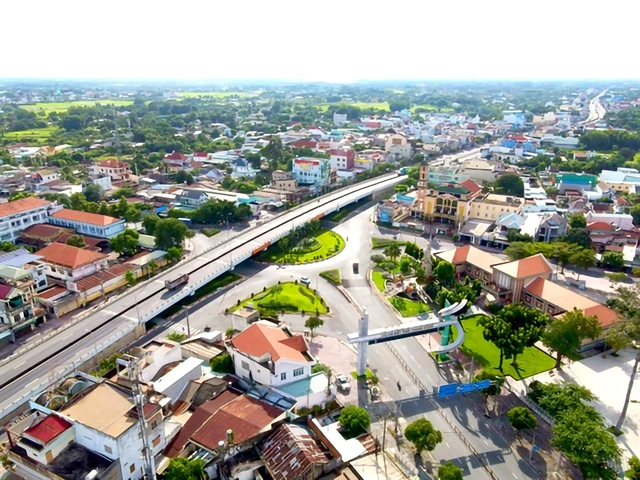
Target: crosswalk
182,328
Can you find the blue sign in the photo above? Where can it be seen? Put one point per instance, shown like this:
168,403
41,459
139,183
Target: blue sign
384,216
447,390
467,387
405,198
536,448
483,384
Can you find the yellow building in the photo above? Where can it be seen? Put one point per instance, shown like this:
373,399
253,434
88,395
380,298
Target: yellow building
491,206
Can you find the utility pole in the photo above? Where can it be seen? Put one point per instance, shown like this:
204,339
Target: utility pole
186,310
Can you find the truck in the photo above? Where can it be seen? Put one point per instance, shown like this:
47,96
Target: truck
170,284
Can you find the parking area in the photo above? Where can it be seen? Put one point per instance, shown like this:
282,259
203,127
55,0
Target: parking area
340,358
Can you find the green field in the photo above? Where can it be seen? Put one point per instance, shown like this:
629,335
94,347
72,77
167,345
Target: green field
36,135
377,242
219,94
432,108
409,308
64,106
329,244
292,298
531,362
377,105
378,279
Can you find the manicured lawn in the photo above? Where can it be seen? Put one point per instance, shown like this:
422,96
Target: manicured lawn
292,298
377,242
409,308
36,135
64,106
332,275
210,232
531,362
378,279
329,244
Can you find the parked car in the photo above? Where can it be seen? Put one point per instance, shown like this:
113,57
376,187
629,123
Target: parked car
342,382
356,268
305,281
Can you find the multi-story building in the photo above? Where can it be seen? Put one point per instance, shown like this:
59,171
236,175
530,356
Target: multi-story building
114,168
398,146
17,309
312,171
69,264
445,204
42,177
622,180
23,260
92,224
491,206
342,158
444,175
481,171
20,214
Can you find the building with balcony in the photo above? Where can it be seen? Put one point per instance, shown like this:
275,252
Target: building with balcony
92,224
114,168
69,264
23,260
20,214
312,171
443,175
17,310
492,206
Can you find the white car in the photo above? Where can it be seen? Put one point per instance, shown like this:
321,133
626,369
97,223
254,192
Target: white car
342,382
305,280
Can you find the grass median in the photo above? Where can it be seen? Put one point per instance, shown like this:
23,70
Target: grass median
286,297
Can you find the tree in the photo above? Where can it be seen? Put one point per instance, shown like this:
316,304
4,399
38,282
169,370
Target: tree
587,444
578,221
222,363
444,273
578,236
132,215
276,290
392,251
76,241
283,244
613,260
563,252
624,334
512,329
584,258
635,213
152,266
494,388
509,184
405,266
354,420
174,254
422,434
181,468
521,418
94,193
149,222
171,232
634,469
125,243
119,209
449,471
565,335
313,323
130,278
184,177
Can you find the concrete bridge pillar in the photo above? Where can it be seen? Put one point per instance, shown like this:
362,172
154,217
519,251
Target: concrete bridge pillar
363,331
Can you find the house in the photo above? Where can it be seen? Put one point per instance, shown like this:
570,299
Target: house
42,177
621,221
622,180
114,168
103,181
398,145
574,181
492,206
242,168
270,355
17,310
292,453
23,260
191,198
20,214
69,264
92,224
342,158
340,119
480,170
312,171
176,161
103,419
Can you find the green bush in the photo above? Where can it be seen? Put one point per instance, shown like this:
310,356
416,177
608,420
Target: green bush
303,291
210,232
176,337
317,409
302,411
332,276
222,363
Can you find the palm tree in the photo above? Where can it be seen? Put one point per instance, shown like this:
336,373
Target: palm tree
276,290
151,267
392,251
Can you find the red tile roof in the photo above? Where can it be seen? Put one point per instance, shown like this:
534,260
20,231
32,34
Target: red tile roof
470,185
526,267
22,205
44,231
52,292
112,163
246,416
5,290
259,339
175,156
84,217
200,416
201,154
291,451
87,283
68,256
604,226
48,429
90,241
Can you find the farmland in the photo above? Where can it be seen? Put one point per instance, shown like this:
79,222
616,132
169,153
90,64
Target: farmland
48,107
36,135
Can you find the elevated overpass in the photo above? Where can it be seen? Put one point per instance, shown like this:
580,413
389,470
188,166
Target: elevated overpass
25,375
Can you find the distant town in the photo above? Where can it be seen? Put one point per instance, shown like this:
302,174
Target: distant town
196,283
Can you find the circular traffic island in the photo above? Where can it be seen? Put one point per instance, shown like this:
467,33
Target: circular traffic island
314,247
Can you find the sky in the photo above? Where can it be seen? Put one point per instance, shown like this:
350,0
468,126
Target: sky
326,41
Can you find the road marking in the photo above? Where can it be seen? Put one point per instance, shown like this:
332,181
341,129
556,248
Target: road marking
447,444
514,475
485,442
130,318
21,363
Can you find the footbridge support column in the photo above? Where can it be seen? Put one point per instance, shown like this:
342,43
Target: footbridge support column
363,331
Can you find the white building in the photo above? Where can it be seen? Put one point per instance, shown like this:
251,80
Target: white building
20,214
312,171
116,169
340,119
69,264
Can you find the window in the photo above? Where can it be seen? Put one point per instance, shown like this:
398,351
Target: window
156,441
298,371
283,376
154,424
245,365
132,468
108,449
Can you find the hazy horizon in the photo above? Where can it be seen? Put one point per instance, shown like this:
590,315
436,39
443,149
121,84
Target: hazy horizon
332,42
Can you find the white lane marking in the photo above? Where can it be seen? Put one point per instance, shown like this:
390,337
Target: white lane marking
485,442
514,475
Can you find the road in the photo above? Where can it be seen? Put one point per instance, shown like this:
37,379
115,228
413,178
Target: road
596,110
44,363
343,319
